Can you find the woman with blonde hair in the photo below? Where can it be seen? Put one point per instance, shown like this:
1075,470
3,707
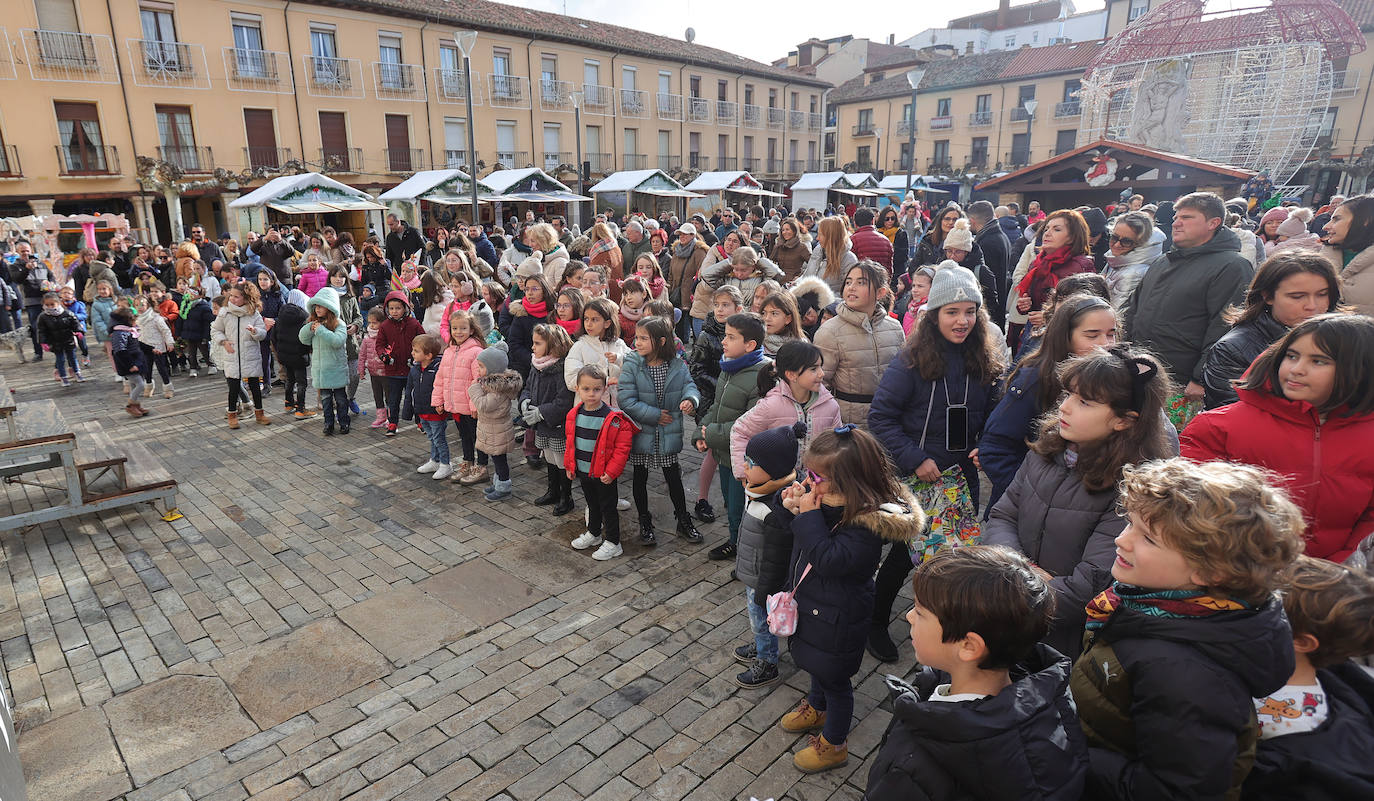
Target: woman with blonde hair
831,261
187,254
605,252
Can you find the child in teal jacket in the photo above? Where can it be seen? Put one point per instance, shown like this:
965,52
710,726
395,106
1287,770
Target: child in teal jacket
327,337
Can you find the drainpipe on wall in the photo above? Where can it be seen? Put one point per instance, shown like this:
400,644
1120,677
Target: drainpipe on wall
129,120
529,68
424,79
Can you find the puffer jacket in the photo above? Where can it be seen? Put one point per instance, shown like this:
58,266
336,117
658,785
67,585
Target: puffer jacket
100,318
1228,360
154,332
722,274
328,348
1357,277
520,335
419,389
702,291
590,350
455,376
612,444
764,550
835,602
550,394
231,328
816,266
779,408
736,393
791,257
394,338
683,271
704,362
58,331
368,363
1010,425
869,244
637,399
939,751
1048,515
491,397
857,349
1328,466
196,327
1167,703
555,262
125,351
291,350
312,281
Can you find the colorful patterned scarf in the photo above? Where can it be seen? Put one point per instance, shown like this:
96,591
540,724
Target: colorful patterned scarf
602,246
1157,603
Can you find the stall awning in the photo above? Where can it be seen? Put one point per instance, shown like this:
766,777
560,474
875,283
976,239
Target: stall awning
667,192
753,191
856,192
453,200
301,207
536,197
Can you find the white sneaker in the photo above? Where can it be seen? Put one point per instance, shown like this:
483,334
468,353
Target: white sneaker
428,467
584,541
194,374
608,550
443,472
621,505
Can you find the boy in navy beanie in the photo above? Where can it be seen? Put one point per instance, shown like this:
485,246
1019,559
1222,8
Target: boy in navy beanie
765,544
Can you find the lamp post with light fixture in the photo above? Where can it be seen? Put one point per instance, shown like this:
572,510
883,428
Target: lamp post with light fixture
1029,106
913,77
465,40
577,136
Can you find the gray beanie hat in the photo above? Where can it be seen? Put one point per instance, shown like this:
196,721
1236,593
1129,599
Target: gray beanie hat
494,358
953,285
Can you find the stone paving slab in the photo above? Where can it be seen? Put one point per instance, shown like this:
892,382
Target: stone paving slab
173,722
280,678
482,592
407,623
73,759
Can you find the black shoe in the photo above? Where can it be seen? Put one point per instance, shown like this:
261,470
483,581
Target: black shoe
759,675
687,531
554,492
880,645
329,431
647,536
704,511
278,383
535,462
343,429
565,502
725,550
746,654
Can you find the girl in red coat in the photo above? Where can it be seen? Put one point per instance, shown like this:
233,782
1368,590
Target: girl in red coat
1306,412
394,337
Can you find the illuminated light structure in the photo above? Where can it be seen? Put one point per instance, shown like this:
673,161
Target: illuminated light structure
1244,86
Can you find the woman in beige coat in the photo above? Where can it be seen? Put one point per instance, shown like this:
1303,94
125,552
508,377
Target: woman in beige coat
1350,248
859,341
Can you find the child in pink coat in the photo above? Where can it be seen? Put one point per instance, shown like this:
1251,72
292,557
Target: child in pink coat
451,391
798,395
313,277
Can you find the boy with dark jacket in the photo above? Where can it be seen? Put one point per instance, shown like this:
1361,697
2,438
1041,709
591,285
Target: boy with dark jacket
988,716
1317,731
57,328
292,354
1189,633
195,328
764,555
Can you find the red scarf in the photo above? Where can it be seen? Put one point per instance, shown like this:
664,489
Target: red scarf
538,310
1040,278
573,327
602,246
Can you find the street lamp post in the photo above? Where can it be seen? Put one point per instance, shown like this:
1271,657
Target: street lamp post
577,136
1029,106
465,40
913,77
878,152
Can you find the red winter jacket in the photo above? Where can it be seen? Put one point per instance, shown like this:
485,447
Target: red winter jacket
395,338
1329,466
612,445
867,243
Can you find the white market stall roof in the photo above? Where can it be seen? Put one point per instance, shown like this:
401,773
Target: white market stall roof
647,182
307,193
528,184
449,187
897,184
855,185
730,181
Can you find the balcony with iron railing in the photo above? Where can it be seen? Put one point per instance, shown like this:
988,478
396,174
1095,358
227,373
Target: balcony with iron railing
777,118
69,56
669,106
796,120
634,161
940,164
599,163
1069,108
9,162
814,121
860,165
168,65
901,163
772,166
978,162
751,116
726,112
863,130
1019,114
326,76
904,127
696,161
799,166
749,164
556,95
513,159
266,157
598,99
1344,83
455,159
942,123
549,160
698,110
632,103
79,161
451,86
508,91
1016,158
392,81
190,159
403,159
726,163
669,163
981,119
257,70
347,160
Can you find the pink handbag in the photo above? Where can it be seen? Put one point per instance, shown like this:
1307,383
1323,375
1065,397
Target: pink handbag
782,610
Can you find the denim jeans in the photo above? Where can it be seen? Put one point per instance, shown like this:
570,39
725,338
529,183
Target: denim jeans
732,493
765,642
438,439
64,357
334,403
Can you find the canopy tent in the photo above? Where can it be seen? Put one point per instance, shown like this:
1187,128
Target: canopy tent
617,191
715,185
896,185
309,193
813,190
528,185
432,197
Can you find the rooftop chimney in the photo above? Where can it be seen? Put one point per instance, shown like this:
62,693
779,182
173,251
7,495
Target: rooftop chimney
1003,9
892,38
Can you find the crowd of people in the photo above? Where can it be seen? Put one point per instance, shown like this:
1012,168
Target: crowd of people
1172,403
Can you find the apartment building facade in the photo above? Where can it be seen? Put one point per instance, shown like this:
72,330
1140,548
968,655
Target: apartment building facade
367,91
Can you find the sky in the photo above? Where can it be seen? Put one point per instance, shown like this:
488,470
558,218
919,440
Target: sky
765,31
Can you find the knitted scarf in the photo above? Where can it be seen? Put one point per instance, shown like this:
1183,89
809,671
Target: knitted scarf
1041,274
749,359
538,310
684,251
633,315
521,247
890,233
1176,604
542,363
602,246
573,327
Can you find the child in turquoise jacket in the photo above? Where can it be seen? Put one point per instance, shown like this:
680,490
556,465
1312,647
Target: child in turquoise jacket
327,337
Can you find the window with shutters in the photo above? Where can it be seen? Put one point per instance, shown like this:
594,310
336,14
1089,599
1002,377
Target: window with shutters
178,140
160,50
80,147
60,41
455,142
553,140
250,60
399,156
505,142
334,151
261,132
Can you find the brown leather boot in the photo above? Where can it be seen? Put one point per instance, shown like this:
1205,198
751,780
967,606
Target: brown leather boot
133,409
262,418
233,419
142,412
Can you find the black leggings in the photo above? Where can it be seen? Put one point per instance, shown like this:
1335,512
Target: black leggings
295,386
235,386
889,582
467,437
378,390
672,474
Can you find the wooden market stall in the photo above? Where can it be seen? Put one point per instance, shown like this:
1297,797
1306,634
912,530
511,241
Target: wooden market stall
432,198
649,191
721,187
513,192
310,200
816,190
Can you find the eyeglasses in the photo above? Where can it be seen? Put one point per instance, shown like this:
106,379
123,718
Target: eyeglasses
562,305
1122,240
814,477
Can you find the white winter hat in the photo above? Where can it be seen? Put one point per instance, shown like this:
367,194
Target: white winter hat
531,266
959,237
687,228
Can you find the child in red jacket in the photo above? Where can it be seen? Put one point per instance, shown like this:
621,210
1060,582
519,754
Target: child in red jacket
598,446
394,338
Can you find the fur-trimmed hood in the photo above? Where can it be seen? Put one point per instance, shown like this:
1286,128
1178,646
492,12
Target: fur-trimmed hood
898,521
506,382
814,285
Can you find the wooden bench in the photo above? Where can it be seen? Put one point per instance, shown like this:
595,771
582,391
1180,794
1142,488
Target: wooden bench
97,456
7,406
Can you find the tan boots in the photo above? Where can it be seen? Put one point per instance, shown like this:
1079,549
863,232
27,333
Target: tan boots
263,419
233,419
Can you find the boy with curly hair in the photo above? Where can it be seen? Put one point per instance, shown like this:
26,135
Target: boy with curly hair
1189,632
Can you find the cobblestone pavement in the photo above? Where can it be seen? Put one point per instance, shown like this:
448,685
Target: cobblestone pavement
325,623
